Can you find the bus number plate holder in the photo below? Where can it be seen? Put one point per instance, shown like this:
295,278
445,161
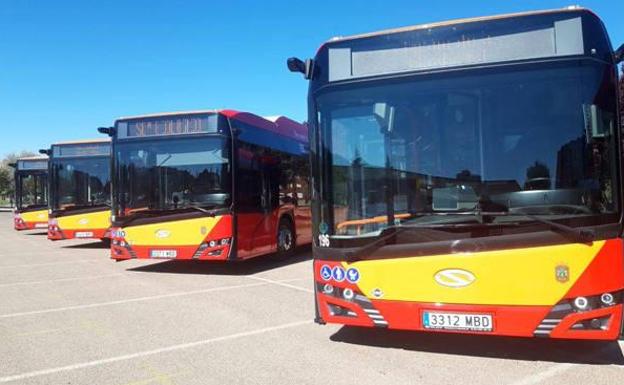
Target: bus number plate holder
457,321
163,253
84,234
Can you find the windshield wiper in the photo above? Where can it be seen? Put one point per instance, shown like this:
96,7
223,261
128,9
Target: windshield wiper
210,213
577,235
584,236
378,243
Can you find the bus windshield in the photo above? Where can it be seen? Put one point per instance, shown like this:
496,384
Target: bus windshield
172,174
526,140
80,183
32,190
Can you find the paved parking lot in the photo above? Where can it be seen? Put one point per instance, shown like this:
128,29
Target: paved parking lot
69,315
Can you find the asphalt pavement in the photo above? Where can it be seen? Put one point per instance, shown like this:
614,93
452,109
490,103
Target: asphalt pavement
70,315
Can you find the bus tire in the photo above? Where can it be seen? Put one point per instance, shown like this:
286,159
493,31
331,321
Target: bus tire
285,239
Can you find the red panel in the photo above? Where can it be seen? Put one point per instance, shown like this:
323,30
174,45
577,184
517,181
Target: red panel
612,332
360,320
604,274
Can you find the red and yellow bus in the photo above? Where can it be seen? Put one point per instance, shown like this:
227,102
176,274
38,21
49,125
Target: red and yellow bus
79,190
467,177
208,185
31,193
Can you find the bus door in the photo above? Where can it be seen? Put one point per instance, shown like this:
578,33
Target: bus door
257,199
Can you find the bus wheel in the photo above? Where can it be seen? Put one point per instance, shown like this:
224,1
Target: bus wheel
285,239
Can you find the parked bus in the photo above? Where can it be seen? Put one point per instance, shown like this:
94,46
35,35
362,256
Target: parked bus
79,190
31,193
209,185
467,177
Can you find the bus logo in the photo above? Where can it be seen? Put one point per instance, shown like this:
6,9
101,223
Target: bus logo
162,234
454,277
83,221
562,273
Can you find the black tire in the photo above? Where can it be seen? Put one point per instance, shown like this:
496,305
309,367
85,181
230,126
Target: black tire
286,240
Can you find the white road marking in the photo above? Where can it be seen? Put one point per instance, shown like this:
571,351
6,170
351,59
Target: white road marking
59,280
54,263
282,283
130,300
145,353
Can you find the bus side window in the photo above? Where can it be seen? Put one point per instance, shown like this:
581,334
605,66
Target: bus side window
251,194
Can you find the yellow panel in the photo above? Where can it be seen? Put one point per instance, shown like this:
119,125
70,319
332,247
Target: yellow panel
177,233
505,277
96,220
35,216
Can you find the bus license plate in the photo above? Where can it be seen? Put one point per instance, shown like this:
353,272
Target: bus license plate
163,253
41,225
457,321
84,234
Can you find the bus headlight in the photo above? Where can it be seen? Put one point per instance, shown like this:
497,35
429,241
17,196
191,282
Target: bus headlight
607,299
328,289
212,243
581,303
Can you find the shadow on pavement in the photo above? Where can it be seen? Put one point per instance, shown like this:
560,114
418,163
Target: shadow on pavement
525,349
252,266
90,245
38,233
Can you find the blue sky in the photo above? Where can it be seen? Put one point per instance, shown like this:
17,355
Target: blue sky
67,67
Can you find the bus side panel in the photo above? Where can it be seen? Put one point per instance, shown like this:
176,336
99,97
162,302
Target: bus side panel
256,234
303,223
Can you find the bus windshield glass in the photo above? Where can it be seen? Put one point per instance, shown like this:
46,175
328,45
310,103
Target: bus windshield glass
172,174
524,140
80,182
32,190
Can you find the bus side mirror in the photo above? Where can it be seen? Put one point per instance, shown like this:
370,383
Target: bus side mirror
110,131
297,65
44,151
619,54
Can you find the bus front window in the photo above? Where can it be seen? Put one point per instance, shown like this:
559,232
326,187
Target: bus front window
527,142
32,190
172,174
80,183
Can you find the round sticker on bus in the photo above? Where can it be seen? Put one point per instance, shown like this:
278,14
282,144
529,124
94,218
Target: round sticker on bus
338,273
353,275
326,272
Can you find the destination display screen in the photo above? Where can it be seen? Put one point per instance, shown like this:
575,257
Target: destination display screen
81,149
168,125
32,165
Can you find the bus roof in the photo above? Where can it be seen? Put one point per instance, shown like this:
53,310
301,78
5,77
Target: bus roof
280,125
34,158
85,141
455,21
